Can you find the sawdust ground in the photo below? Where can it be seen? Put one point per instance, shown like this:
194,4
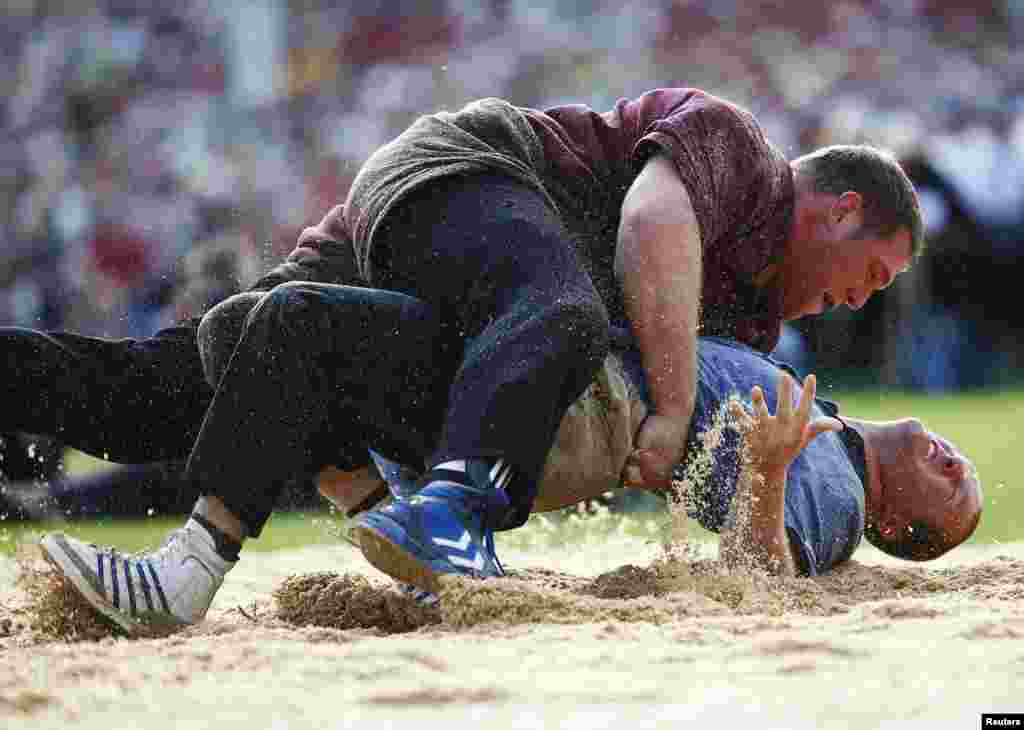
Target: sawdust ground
315,637
651,633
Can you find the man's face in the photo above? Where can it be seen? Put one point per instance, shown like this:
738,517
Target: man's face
923,477
829,261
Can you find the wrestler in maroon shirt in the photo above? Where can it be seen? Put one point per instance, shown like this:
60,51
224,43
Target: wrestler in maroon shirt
688,218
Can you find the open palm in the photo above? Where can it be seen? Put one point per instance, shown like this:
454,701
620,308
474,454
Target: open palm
775,440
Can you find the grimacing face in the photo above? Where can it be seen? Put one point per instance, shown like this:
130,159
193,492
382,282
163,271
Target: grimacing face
830,261
923,477
844,272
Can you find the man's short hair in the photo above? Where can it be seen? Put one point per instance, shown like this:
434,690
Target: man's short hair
890,201
918,541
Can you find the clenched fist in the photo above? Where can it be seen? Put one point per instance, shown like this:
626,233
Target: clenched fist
658,447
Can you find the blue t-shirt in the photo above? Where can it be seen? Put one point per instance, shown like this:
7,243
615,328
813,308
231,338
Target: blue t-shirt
824,491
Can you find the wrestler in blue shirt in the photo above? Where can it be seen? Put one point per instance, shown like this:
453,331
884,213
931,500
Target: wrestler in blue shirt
908,490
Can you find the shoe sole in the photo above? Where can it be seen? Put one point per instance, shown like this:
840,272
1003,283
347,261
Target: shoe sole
67,564
393,560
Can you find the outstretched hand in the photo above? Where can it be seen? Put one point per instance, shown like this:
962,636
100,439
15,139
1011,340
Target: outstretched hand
775,440
659,446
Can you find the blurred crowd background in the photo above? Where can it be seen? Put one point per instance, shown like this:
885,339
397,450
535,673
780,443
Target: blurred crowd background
158,155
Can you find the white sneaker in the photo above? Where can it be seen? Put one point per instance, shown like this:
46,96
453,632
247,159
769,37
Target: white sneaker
146,594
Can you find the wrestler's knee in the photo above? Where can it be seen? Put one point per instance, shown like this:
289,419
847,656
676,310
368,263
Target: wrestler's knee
220,330
299,309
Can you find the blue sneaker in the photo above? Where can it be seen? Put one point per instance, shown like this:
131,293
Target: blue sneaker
444,529
423,598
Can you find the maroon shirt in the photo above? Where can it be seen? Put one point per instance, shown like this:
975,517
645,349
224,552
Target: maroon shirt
740,186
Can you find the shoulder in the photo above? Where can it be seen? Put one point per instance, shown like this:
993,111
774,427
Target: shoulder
713,112
707,136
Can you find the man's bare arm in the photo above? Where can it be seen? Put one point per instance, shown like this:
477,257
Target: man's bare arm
658,262
754,534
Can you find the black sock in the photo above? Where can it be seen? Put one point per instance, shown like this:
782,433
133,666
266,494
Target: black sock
225,545
490,477
481,473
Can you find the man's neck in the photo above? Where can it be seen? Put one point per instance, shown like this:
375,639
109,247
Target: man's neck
855,448
864,455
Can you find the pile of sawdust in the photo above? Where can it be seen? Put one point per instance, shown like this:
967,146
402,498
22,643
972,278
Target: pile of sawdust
510,601
349,602
1001,578
666,589
625,582
54,609
740,592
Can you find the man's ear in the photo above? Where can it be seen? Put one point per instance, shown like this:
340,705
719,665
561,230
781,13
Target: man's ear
846,215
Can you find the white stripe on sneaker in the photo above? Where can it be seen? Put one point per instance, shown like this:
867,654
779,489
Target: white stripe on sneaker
461,544
501,475
457,465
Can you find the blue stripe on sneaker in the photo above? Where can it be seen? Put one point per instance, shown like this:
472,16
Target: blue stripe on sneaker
145,586
99,573
128,585
116,598
87,573
159,588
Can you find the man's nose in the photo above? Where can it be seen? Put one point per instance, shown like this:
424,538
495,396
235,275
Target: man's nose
856,299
